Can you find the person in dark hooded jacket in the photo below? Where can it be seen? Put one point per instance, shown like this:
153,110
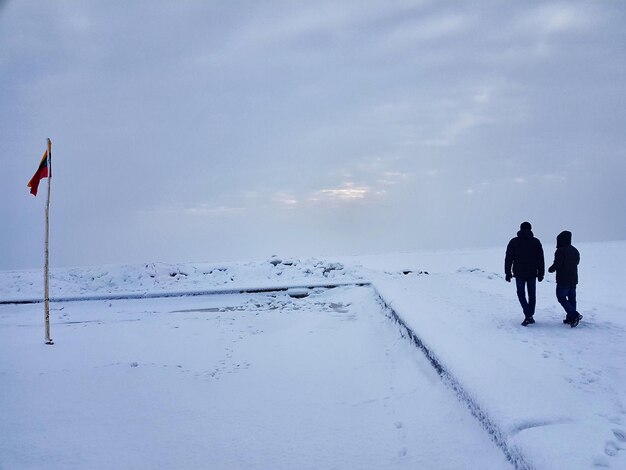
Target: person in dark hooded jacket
566,259
524,260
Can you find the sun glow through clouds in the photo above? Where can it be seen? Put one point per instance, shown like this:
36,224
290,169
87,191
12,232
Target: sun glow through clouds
348,193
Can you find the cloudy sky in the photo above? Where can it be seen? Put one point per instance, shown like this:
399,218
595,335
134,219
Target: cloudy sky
232,130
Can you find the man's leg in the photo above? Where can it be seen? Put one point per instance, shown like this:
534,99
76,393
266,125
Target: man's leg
521,294
562,293
532,295
573,317
572,296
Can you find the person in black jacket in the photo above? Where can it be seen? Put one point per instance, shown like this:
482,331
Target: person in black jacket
566,259
524,255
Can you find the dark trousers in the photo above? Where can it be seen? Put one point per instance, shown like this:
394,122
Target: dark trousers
528,306
566,295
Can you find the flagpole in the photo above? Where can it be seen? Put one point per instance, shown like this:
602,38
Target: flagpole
46,268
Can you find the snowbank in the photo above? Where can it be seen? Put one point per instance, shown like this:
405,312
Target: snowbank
152,279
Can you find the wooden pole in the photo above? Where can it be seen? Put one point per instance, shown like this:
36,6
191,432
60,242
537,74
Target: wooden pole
46,276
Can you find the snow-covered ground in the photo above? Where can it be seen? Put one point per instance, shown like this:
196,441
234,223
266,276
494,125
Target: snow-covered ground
232,381
269,380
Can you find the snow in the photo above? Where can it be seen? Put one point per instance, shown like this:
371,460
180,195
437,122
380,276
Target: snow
166,278
314,377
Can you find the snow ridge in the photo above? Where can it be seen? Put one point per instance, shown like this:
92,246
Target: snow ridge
186,293
511,453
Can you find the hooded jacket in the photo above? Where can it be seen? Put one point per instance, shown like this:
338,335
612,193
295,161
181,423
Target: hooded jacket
566,259
524,254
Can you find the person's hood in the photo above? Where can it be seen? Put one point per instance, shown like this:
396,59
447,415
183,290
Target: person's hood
564,239
525,234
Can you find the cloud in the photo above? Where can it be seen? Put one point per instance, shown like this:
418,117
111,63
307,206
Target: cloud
210,209
458,117
553,18
392,178
424,30
555,178
348,192
286,199
194,209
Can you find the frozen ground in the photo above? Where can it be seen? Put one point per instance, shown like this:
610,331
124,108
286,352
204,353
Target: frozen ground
554,394
229,381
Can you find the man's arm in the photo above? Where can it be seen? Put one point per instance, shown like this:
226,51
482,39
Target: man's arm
508,260
541,264
558,261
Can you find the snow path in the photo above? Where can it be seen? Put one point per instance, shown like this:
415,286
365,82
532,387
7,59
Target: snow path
232,381
558,394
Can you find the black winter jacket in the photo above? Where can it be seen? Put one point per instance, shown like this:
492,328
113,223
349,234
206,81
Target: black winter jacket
566,259
524,254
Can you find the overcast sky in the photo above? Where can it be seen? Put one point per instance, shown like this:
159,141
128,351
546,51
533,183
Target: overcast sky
233,130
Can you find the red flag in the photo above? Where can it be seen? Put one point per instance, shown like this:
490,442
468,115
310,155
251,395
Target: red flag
42,172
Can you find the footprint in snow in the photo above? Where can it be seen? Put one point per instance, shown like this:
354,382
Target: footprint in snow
601,461
620,435
611,449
